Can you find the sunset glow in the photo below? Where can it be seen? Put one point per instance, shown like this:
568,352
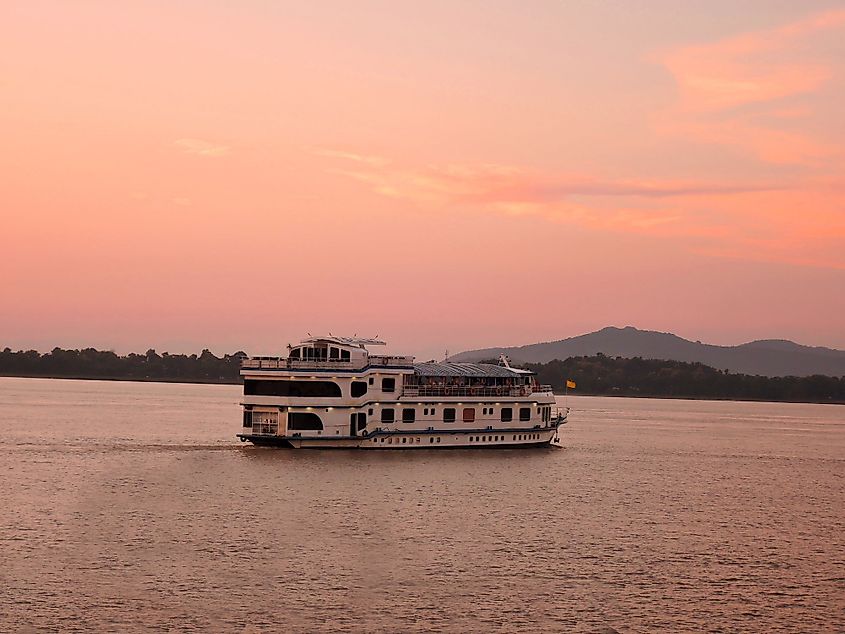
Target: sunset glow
443,175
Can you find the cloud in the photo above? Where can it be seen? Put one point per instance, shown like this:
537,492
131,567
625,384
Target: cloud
201,148
732,91
775,221
350,156
493,183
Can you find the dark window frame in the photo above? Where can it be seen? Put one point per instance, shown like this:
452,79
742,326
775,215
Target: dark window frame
292,388
304,421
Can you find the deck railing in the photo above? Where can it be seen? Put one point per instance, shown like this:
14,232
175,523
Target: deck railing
286,363
466,390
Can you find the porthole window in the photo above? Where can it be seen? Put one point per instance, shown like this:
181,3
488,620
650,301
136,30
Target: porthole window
404,440
431,439
438,439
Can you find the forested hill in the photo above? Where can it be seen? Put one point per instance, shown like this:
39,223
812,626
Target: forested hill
617,376
596,375
99,364
768,357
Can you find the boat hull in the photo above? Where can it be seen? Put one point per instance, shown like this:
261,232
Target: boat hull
385,440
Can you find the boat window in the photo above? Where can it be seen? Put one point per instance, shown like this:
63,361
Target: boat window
469,414
362,421
263,387
524,413
425,412
344,355
370,381
294,354
433,411
359,388
448,414
409,414
507,414
334,353
388,385
387,415
304,421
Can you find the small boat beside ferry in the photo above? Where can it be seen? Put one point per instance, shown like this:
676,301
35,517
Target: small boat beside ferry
331,392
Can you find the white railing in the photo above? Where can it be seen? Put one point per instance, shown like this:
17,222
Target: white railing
286,363
468,390
383,360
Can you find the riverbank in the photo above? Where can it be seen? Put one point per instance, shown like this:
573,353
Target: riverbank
225,381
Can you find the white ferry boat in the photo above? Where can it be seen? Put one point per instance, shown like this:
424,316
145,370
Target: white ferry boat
331,392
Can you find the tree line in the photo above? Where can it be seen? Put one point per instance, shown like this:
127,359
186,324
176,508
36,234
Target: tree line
594,375
105,364
618,376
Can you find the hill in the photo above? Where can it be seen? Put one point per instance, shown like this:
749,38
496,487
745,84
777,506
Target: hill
764,357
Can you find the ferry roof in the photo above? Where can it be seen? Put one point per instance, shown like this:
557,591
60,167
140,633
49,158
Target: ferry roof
348,341
479,370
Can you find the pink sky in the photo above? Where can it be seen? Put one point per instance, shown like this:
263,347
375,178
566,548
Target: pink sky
442,174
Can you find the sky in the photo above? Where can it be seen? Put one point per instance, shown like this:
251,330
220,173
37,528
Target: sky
442,174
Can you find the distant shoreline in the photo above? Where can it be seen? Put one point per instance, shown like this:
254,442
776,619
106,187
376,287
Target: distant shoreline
229,382
130,379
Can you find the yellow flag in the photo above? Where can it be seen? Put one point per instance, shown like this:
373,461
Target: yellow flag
570,384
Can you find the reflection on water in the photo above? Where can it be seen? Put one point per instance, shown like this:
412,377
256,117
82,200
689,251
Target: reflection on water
130,506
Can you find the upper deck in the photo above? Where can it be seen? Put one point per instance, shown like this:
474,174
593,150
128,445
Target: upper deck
288,363
329,353
441,379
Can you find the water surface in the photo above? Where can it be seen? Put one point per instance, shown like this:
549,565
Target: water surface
130,506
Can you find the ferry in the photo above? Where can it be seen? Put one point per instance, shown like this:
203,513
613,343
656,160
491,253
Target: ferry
330,392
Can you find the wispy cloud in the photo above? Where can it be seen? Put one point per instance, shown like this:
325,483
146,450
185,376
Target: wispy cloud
762,220
201,148
718,81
